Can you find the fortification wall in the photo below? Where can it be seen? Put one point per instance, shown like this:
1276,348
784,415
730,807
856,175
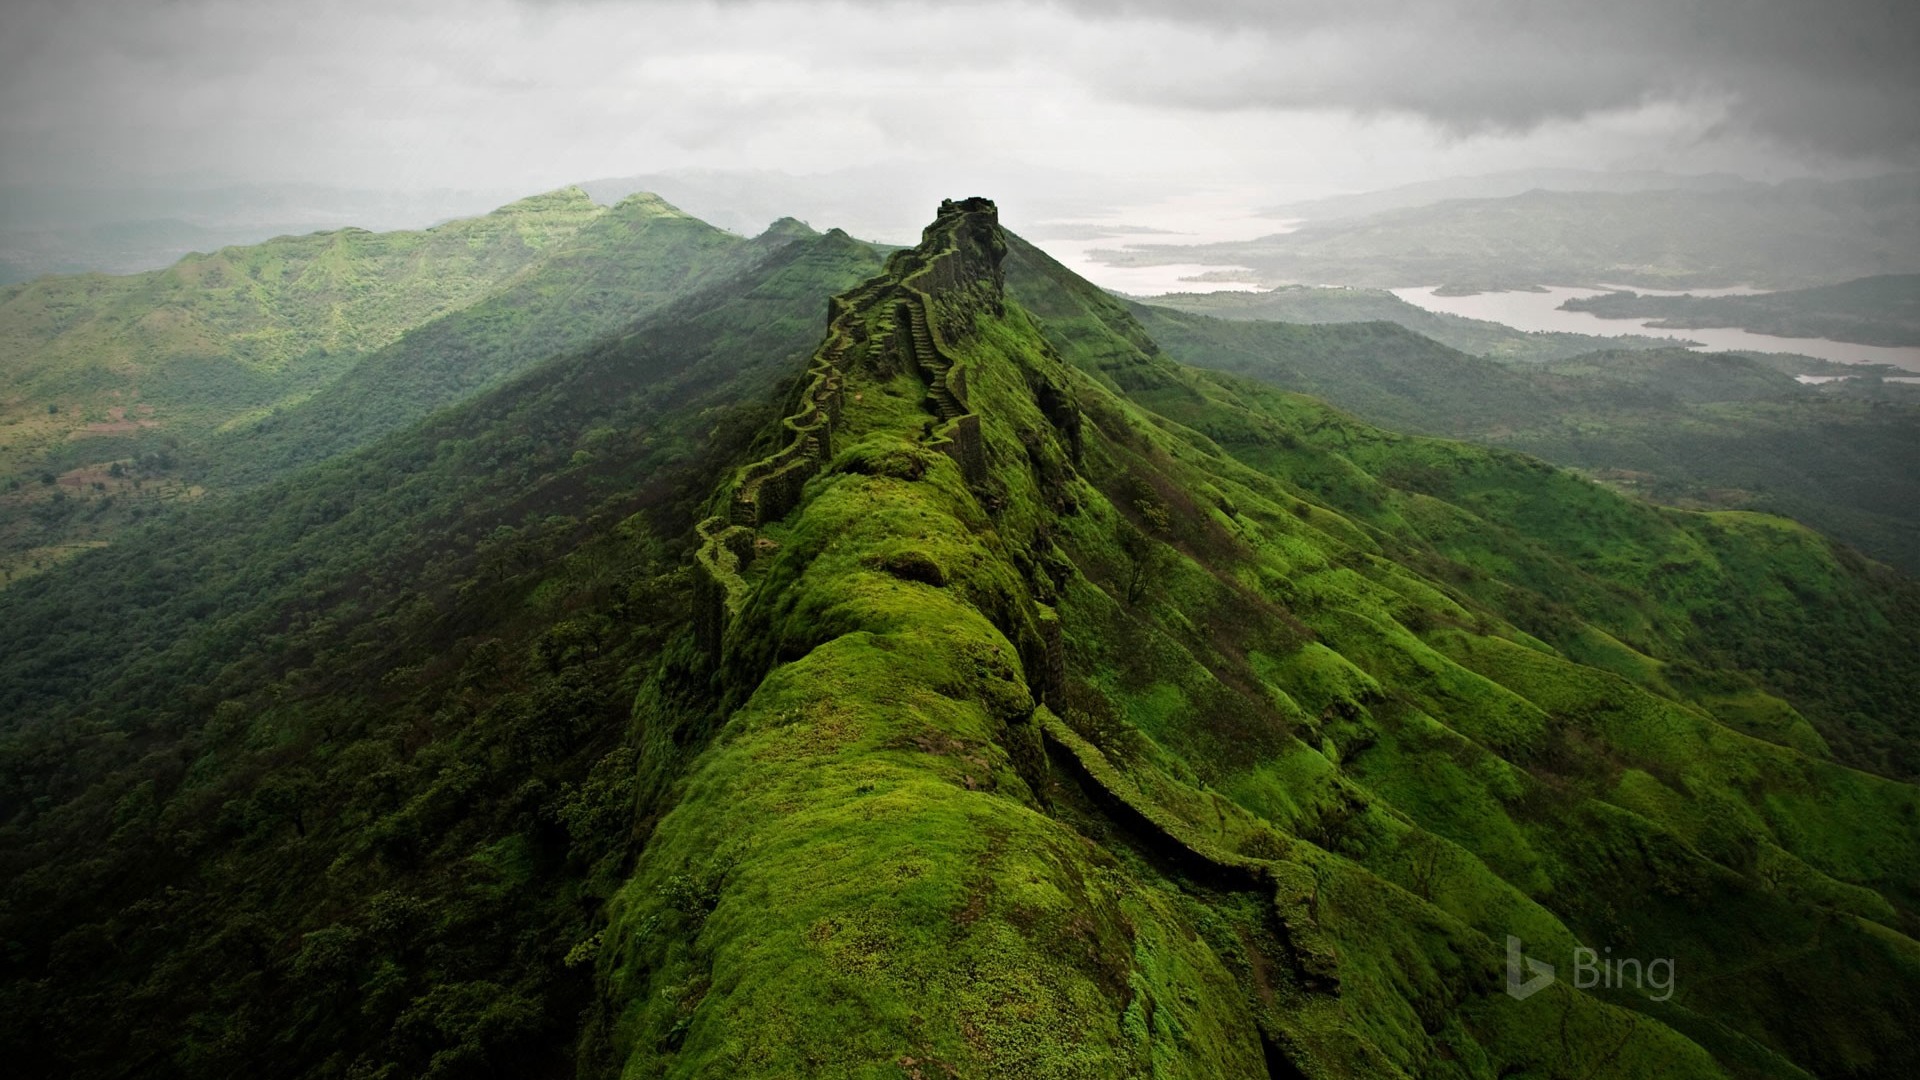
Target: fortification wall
719,587
939,288
1290,884
769,489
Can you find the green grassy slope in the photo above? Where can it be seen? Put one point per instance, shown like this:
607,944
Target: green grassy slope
637,256
615,267
1102,329
1006,700
106,383
328,778
241,327
1882,310
1068,737
1381,370
1703,430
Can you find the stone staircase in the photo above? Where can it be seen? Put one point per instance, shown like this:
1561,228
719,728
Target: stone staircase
936,369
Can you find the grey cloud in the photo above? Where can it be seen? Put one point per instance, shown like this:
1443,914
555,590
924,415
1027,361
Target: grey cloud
1839,76
1201,92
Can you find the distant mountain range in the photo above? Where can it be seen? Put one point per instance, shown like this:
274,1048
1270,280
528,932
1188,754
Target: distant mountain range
1499,186
124,230
1882,310
1795,234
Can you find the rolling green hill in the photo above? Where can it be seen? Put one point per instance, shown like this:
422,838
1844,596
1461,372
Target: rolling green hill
376,673
636,257
107,382
1065,738
972,692
1702,430
256,323
196,415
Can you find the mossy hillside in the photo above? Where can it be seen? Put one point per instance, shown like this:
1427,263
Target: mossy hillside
1193,682
1212,709
1187,728
884,885
1690,429
333,778
1722,591
881,890
1431,742
1784,771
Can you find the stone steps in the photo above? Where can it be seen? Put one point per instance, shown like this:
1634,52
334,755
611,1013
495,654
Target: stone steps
945,403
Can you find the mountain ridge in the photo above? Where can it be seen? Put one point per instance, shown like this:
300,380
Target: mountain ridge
1044,707
866,526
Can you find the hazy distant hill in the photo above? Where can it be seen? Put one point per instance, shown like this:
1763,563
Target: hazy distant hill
1499,186
883,201
1310,304
1687,428
1872,311
1794,234
127,230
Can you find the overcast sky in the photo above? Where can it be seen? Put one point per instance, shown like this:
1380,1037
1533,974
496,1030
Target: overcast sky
1292,99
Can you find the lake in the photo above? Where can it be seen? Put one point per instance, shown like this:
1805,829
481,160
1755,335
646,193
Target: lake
1540,312
1204,217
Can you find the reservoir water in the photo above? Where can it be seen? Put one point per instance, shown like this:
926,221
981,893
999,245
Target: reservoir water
1204,217
1540,312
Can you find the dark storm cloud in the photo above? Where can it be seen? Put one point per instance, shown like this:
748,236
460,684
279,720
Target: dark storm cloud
1841,76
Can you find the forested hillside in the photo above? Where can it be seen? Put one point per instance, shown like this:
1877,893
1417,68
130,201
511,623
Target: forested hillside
639,255
1700,430
971,691
324,344
240,328
399,683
